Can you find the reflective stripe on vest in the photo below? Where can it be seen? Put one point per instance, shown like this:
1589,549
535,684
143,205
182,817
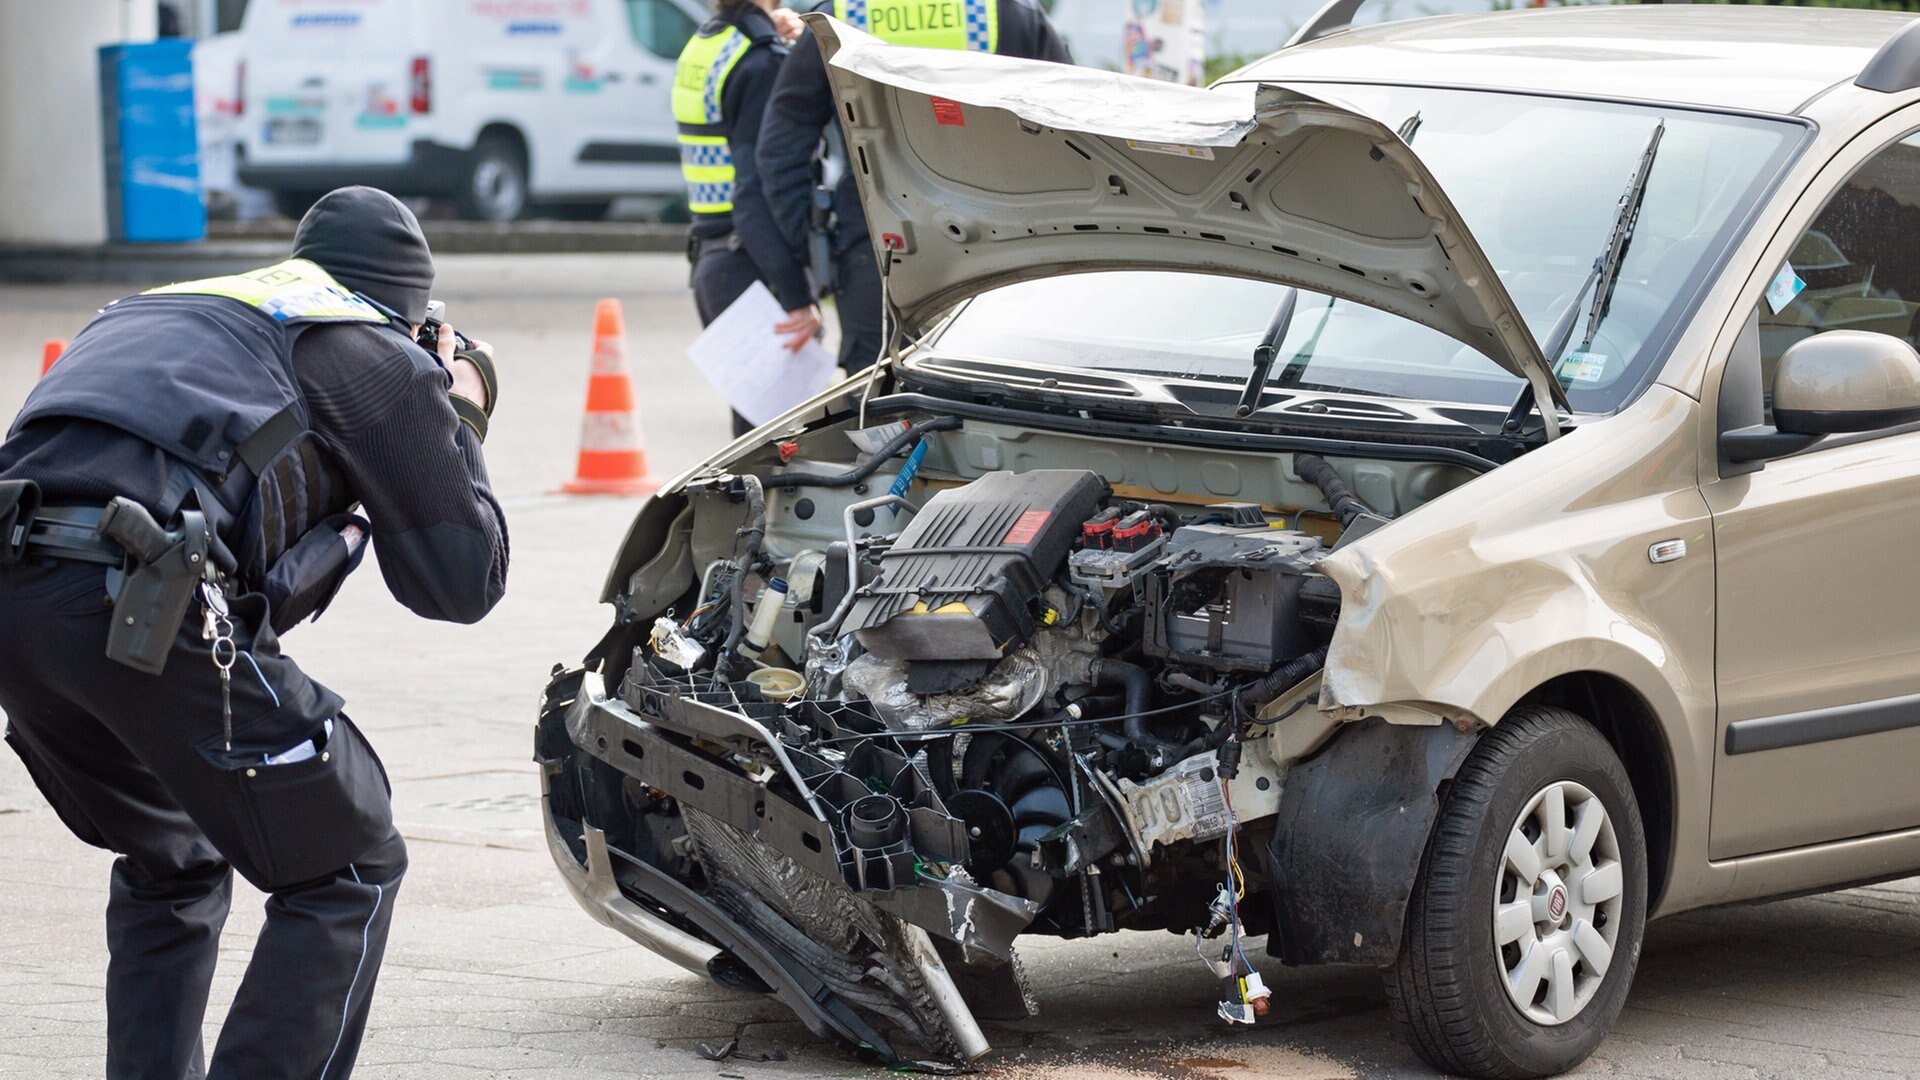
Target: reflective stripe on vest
699,81
928,24
292,290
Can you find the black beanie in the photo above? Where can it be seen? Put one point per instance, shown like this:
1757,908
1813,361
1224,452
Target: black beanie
370,242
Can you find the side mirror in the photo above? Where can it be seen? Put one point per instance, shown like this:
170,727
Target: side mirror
1845,381
1834,383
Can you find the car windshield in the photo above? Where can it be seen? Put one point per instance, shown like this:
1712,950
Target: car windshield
1536,179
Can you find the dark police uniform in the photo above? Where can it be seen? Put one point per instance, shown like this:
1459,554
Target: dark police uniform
271,403
802,106
720,90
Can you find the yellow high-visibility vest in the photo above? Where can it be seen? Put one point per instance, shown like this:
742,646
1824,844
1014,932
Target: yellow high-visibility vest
928,24
295,289
699,81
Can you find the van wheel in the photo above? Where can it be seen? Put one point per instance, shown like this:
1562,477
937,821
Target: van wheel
1524,927
496,186
294,204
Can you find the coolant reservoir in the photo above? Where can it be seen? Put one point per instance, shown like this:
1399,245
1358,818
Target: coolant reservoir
766,615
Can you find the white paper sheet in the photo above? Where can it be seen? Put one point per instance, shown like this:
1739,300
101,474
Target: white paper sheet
747,362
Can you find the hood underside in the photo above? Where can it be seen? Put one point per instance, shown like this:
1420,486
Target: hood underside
978,170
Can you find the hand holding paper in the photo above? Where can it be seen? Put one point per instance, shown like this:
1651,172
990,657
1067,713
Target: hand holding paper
747,354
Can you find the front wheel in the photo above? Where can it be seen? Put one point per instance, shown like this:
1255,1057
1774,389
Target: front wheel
1524,928
496,184
294,204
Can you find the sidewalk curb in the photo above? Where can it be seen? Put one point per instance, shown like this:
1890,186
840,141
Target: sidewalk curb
236,247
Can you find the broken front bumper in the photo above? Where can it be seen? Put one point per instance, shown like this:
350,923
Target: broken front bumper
606,769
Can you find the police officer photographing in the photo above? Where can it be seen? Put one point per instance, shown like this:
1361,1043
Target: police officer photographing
176,493
801,108
720,90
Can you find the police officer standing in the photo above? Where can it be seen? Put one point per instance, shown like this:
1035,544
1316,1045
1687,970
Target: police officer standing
177,492
720,90
802,107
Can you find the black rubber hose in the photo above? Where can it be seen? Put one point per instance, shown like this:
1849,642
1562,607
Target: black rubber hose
1340,499
907,437
1255,695
1138,684
753,532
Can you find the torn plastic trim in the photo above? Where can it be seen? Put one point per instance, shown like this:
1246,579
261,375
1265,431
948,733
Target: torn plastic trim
970,915
598,894
1340,902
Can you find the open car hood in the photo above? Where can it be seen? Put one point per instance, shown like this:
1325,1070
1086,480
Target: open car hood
978,170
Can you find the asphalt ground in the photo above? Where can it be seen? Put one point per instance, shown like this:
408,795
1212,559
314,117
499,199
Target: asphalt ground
492,971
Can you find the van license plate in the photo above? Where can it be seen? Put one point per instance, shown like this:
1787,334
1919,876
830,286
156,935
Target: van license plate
302,131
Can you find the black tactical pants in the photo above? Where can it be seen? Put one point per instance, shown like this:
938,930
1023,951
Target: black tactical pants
721,275
139,765
860,308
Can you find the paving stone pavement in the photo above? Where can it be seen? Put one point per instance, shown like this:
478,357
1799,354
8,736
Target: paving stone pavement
494,972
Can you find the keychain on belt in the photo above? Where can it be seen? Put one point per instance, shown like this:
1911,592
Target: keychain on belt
217,628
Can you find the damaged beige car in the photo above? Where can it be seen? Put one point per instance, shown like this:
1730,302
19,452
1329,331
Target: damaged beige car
1235,544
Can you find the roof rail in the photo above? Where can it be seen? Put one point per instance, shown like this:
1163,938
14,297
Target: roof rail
1336,16
1896,66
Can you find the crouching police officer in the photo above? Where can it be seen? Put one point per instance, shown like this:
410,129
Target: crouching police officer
720,89
801,108
176,493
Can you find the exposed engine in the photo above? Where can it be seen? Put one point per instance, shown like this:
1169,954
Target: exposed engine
1022,709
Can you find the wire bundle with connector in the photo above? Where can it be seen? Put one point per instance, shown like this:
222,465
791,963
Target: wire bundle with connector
1243,994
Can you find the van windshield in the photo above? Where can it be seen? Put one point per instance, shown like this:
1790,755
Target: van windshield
1536,179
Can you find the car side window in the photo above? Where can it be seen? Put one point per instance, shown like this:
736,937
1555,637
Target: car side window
659,26
1857,267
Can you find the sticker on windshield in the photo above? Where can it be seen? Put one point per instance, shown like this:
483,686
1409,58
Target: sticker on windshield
1583,367
1202,152
1786,285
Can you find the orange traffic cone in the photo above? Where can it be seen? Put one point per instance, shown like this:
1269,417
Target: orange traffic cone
50,352
613,454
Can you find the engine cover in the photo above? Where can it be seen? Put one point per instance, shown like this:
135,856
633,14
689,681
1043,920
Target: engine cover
964,579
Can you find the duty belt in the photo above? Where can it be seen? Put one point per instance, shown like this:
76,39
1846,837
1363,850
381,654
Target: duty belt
71,532
698,247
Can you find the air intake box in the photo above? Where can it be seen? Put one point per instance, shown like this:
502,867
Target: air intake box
962,581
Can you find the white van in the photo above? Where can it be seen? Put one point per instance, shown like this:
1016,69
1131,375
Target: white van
497,104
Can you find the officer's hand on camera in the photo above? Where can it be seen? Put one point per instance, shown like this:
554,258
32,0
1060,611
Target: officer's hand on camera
801,325
468,380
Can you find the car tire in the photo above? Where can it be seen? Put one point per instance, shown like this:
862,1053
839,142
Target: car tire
1534,1006
294,204
496,185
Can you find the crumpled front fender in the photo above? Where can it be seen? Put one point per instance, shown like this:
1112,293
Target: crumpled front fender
1536,570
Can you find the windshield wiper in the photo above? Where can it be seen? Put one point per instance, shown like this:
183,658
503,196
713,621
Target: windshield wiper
1264,353
1624,219
1605,275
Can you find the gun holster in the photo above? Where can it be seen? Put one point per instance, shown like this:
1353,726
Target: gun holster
166,566
822,269
19,502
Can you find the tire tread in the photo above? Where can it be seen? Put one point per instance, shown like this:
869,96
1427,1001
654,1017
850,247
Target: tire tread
1429,988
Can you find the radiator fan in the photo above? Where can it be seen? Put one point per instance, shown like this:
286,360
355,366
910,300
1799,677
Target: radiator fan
1010,795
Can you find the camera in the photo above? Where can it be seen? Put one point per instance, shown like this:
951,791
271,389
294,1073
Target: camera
429,335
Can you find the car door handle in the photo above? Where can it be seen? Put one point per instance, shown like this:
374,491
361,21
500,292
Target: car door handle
645,78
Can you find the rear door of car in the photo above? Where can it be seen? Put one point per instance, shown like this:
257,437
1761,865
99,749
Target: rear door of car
1818,554
327,83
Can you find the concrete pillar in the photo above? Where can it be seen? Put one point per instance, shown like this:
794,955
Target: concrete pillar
50,157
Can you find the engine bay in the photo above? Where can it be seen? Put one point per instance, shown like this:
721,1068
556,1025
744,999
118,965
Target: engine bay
934,705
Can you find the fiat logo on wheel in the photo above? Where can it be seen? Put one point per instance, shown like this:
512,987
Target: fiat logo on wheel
1557,903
